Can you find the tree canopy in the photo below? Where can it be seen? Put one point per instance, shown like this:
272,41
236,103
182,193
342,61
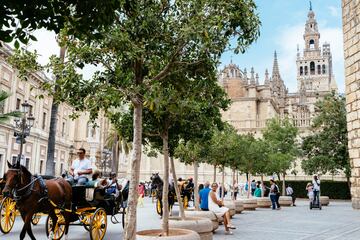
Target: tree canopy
326,150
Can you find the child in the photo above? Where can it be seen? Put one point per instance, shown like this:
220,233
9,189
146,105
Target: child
309,189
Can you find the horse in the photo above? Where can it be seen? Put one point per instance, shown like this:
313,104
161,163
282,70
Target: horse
33,194
158,183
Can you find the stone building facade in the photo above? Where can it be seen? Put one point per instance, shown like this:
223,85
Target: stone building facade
351,31
254,102
70,134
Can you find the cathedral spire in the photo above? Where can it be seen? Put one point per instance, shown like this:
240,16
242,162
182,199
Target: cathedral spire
267,80
252,78
275,72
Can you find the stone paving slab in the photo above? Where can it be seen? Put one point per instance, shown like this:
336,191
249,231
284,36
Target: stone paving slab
337,221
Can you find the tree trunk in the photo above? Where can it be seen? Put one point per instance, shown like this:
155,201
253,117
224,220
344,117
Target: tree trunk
214,173
283,184
115,156
50,164
165,193
249,185
262,186
237,177
130,228
196,185
178,196
223,184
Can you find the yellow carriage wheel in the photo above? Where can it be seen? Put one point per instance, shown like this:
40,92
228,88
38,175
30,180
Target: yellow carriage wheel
7,215
35,218
159,207
59,228
185,202
98,224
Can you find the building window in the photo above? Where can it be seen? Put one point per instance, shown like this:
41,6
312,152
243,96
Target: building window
13,160
312,68
18,104
63,129
41,166
27,163
318,69
43,125
311,44
306,70
323,69
301,71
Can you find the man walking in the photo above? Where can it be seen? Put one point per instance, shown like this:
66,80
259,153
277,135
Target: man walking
316,188
290,192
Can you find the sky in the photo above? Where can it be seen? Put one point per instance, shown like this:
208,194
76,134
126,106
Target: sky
283,25
282,29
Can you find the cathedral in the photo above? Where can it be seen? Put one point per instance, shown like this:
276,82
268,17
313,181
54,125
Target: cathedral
254,102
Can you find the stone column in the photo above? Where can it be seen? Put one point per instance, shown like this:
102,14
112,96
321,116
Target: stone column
351,30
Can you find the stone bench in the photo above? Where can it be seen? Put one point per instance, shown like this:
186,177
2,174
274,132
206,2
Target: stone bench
203,226
239,206
263,202
204,214
285,201
231,206
249,204
324,200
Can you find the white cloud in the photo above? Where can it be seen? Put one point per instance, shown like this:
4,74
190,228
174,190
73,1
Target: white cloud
334,11
287,41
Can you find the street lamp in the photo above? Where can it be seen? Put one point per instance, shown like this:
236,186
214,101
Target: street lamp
22,127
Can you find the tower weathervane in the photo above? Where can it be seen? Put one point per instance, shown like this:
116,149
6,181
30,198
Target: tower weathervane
310,6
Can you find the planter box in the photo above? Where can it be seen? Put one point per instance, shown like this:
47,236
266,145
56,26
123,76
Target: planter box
285,201
174,234
324,200
239,206
231,206
250,204
263,202
203,226
204,214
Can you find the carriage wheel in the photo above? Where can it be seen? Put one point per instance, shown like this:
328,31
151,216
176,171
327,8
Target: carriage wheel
98,224
8,214
159,207
59,228
85,219
185,202
35,218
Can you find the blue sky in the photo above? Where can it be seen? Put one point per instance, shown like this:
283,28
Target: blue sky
282,29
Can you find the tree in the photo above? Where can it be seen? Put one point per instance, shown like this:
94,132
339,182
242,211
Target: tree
4,117
281,135
147,42
82,18
326,150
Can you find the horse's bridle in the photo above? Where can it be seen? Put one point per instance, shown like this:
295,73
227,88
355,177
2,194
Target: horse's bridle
28,187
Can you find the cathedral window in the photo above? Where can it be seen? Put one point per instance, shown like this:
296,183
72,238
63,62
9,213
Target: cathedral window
311,44
312,68
306,70
318,69
301,71
323,69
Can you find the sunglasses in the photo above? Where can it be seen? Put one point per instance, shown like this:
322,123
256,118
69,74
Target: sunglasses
80,153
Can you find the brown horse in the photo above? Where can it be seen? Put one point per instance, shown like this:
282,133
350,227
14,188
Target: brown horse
33,194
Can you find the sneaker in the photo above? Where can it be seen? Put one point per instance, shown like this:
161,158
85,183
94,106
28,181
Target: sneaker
228,233
231,226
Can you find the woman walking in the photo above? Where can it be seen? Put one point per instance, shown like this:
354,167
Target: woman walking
274,195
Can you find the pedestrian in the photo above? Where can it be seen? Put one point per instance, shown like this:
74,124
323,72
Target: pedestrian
235,190
204,197
310,192
257,192
290,193
253,187
218,208
274,195
141,192
316,188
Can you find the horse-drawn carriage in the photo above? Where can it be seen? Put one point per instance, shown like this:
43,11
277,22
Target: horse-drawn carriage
65,205
157,183
90,208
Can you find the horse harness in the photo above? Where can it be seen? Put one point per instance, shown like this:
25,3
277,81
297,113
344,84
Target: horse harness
19,194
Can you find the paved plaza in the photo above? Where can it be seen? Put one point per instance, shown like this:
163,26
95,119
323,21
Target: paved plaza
337,221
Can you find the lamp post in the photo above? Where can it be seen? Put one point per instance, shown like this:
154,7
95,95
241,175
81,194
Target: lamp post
22,127
106,155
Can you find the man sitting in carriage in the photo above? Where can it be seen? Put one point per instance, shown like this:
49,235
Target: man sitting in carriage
81,168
